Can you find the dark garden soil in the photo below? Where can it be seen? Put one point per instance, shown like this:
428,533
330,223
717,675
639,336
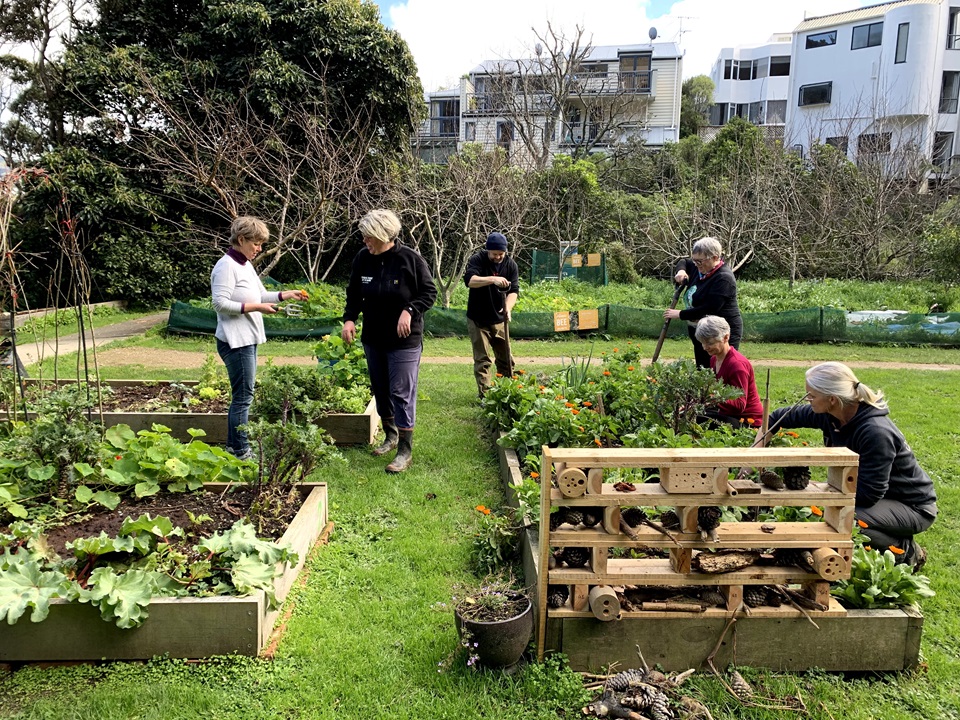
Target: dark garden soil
159,398
223,509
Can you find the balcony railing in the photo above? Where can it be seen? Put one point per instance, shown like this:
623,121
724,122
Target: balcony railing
443,126
584,83
953,42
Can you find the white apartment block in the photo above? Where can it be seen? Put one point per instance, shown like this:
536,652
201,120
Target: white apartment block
752,82
617,92
880,82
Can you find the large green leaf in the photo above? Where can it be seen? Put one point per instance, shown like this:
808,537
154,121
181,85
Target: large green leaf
121,598
24,585
119,436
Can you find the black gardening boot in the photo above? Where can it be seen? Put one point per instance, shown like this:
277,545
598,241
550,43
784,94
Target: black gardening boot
390,441
404,453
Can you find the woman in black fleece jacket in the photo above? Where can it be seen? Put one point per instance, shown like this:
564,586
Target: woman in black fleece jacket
391,286
895,497
711,290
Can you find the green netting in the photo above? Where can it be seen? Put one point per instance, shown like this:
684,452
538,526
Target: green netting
545,265
812,325
188,320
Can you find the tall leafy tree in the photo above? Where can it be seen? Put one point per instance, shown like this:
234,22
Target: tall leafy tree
696,97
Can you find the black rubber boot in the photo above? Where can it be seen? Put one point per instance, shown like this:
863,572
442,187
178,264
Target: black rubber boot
404,453
390,441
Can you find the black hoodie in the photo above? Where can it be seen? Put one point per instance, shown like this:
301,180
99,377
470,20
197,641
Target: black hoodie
383,286
888,467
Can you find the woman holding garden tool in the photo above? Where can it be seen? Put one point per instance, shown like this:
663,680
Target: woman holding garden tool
711,290
895,497
240,300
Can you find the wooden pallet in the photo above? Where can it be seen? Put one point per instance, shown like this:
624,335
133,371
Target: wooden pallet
690,478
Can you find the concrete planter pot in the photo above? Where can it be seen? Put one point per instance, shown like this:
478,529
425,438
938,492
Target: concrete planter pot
500,643
176,627
344,428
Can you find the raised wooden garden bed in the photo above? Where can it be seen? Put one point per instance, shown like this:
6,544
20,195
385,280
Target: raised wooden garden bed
778,638
176,627
344,428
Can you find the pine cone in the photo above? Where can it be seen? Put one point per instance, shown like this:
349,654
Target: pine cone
755,596
591,516
649,700
670,520
574,516
557,595
708,518
633,516
796,478
558,518
770,479
575,556
713,598
623,680
740,687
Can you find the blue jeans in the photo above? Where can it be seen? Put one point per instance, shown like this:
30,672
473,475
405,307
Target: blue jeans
393,382
241,365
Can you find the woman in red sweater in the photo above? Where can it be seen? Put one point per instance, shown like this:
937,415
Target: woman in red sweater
733,369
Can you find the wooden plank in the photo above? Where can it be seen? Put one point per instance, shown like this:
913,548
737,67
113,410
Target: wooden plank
784,611
806,535
680,560
840,518
546,480
656,571
818,591
611,520
650,494
580,599
843,478
700,457
594,481
682,478
734,596
598,559
859,641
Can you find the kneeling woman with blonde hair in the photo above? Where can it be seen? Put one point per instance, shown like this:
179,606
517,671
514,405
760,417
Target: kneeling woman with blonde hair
895,497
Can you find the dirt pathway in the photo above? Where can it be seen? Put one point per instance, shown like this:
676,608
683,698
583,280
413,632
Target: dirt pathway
157,359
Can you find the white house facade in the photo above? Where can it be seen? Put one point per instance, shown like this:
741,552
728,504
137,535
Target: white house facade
752,82
618,92
880,82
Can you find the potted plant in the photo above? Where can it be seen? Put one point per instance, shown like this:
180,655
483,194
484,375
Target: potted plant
494,623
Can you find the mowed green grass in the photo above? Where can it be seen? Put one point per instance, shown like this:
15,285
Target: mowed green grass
368,631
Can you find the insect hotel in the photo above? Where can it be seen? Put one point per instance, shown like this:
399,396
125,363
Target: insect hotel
753,593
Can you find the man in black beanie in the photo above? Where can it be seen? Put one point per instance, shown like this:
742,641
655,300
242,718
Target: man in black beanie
493,279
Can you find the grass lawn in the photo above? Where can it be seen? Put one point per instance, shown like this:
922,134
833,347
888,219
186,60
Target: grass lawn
369,636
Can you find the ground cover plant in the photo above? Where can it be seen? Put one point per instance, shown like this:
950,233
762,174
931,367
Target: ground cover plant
402,543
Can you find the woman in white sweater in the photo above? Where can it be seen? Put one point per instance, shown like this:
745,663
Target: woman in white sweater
240,299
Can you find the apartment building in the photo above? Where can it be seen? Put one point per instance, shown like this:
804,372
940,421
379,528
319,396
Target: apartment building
533,111
752,82
879,83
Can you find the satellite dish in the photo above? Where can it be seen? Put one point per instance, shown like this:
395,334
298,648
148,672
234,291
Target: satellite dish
652,33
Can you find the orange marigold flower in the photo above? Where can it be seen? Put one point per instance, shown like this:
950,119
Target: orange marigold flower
862,524
575,411
535,475
630,368
520,386
867,547
606,372
483,509
597,441
591,383
118,457
568,404
559,397
514,377
792,434
499,374
543,387
896,551
816,511
587,403
616,349
743,420
581,428
521,372
804,443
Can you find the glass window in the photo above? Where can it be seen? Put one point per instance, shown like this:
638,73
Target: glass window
840,142
953,30
818,94
746,69
755,113
949,91
822,39
727,65
865,36
718,114
776,112
762,67
470,131
874,143
942,149
780,66
903,33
